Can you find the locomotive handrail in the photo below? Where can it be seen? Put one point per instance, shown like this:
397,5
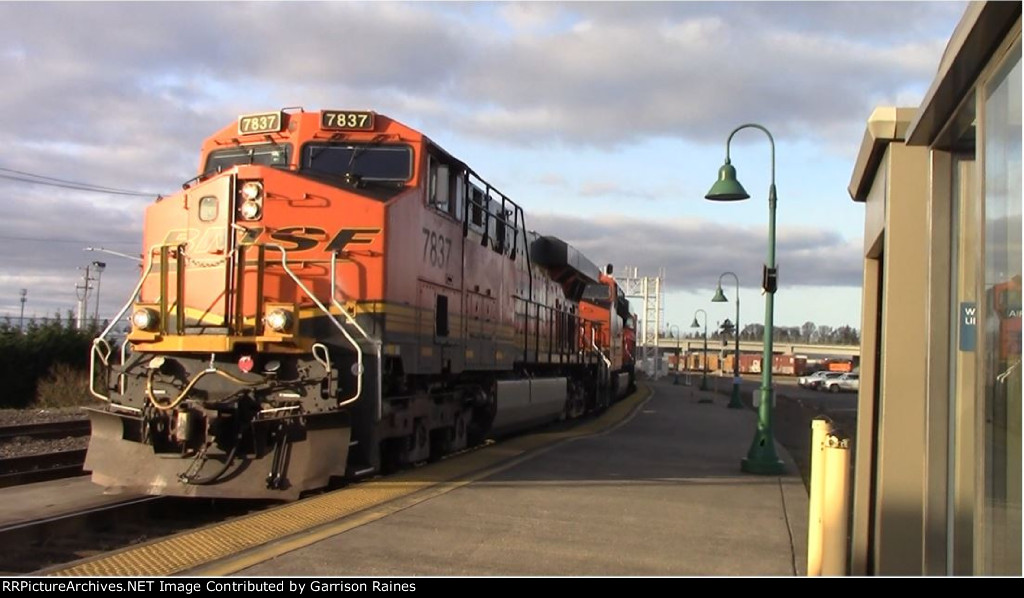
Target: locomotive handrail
337,324
125,346
369,339
529,283
593,343
135,293
146,269
93,354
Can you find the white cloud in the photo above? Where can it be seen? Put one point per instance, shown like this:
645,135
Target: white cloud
122,94
612,189
529,17
551,179
694,252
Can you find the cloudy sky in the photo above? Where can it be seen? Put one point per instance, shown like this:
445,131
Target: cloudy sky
606,121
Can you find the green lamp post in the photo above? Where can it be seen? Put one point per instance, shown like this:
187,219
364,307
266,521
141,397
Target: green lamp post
695,324
734,400
761,458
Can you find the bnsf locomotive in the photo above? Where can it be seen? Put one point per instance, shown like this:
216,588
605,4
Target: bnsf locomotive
336,295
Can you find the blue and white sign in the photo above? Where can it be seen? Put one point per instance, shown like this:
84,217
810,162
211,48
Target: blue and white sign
968,325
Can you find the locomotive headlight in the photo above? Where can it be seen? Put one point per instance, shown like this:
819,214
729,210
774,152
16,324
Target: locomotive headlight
145,318
252,191
251,196
280,320
250,210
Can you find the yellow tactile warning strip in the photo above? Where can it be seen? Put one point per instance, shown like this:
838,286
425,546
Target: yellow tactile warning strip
227,547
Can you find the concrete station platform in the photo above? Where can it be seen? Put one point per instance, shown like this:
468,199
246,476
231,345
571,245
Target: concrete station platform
27,503
659,494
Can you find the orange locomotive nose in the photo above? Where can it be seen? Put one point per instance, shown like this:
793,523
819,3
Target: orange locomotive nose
336,295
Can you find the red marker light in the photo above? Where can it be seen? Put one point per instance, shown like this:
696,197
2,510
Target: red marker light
245,363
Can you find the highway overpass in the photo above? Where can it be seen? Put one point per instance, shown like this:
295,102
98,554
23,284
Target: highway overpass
672,345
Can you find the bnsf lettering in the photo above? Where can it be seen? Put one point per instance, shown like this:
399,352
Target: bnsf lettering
209,241
179,236
299,238
304,238
352,236
250,235
292,238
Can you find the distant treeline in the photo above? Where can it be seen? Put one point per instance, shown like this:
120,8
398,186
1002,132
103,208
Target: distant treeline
808,333
47,349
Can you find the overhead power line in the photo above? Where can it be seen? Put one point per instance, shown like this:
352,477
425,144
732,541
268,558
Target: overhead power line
59,240
38,179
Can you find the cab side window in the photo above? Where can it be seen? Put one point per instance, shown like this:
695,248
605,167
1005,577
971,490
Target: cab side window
439,187
476,206
458,194
446,188
496,225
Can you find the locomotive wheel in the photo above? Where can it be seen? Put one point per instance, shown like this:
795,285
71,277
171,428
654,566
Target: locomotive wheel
391,455
575,403
460,429
418,444
440,443
420,438
483,412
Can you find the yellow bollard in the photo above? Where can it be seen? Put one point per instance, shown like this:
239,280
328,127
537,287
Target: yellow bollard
820,428
836,505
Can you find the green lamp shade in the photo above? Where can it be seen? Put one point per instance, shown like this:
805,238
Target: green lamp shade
727,188
695,324
719,296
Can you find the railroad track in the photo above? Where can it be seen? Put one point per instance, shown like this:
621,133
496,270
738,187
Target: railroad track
48,546
38,467
33,547
29,546
62,429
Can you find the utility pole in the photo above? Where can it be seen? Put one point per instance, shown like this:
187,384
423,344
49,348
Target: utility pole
82,292
21,319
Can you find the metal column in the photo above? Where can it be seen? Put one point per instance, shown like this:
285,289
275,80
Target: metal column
649,289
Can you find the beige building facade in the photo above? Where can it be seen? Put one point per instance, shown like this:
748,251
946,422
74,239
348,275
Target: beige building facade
937,467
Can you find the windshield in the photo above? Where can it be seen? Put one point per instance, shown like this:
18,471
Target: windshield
268,154
388,163
596,293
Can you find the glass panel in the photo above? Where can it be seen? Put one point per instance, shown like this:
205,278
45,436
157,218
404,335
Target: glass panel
963,326
360,162
271,154
1001,552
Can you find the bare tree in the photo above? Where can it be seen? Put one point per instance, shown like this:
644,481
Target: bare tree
807,332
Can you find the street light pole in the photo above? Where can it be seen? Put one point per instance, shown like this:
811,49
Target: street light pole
100,266
734,400
679,355
695,324
117,253
761,458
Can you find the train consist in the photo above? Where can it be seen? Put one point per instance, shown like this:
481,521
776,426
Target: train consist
335,295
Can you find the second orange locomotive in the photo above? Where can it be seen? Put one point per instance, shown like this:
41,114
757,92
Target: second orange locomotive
336,295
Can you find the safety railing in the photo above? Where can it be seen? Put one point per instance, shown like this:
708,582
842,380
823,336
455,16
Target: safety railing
101,350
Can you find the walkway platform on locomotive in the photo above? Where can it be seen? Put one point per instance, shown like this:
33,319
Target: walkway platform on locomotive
660,493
